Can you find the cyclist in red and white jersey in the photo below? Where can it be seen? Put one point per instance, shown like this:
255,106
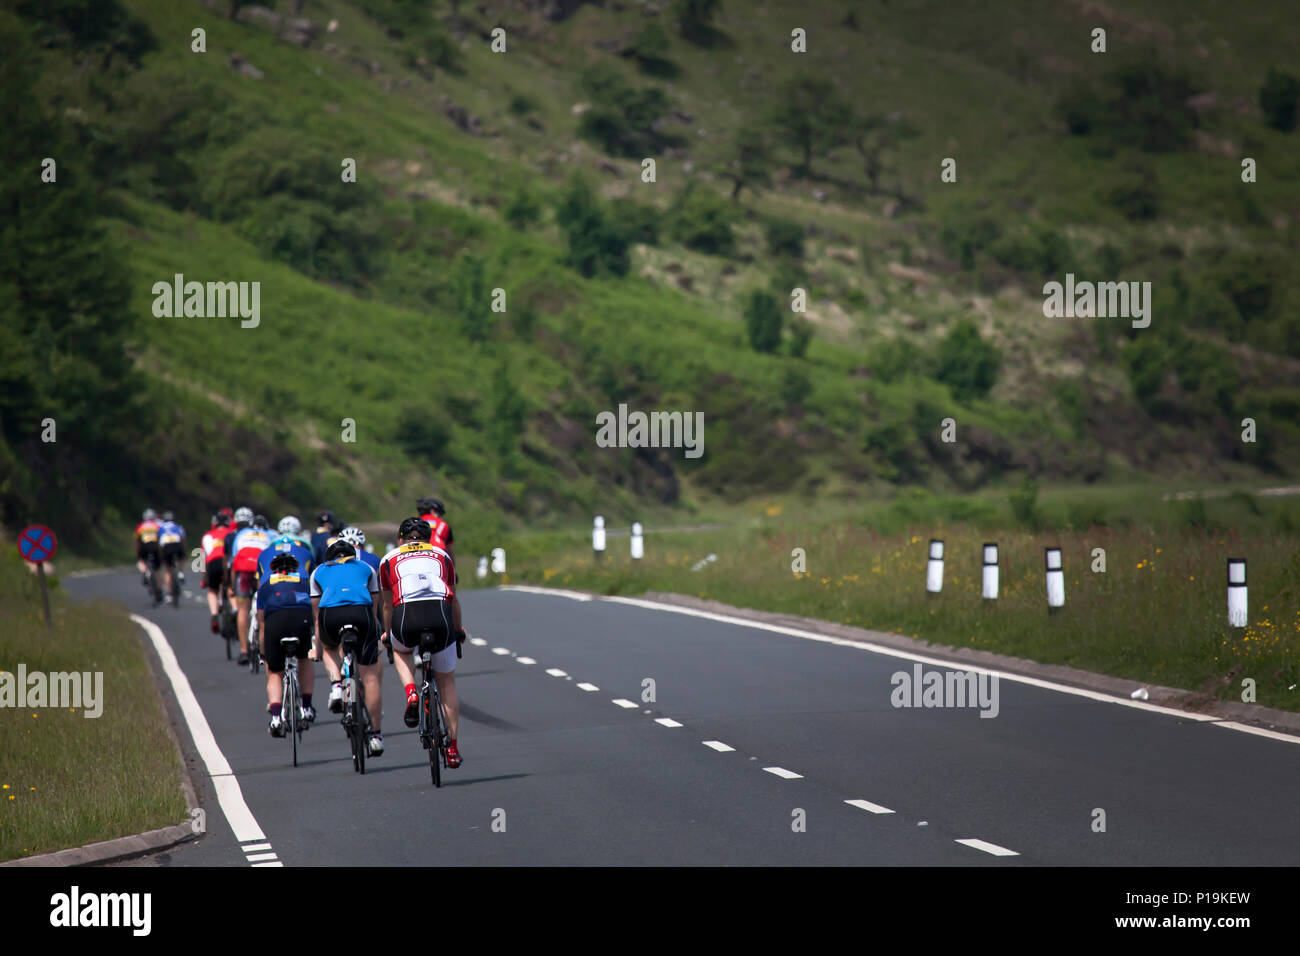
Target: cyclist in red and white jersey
242,551
440,536
214,557
416,580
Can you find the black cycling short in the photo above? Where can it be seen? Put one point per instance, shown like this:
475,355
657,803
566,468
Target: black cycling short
150,555
413,618
358,615
215,574
286,622
171,553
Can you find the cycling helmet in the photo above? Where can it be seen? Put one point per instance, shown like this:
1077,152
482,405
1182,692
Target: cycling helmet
259,521
353,536
244,516
434,505
284,561
289,525
228,511
336,526
325,519
416,528
168,516
149,515
340,549
222,519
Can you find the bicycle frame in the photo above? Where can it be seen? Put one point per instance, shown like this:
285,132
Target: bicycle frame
433,732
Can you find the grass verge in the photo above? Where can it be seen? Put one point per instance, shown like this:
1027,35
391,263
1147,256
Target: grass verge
67,779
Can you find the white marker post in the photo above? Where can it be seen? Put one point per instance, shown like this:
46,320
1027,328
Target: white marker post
1055,579
482,567
638,543
598,536
990,583
1236,592
498,560
934,568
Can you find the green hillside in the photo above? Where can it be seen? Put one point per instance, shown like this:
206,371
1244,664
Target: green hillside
378,368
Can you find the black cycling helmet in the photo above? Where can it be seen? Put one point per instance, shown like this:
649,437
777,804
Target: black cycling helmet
434,505
340,549
416,528
325,518
284,561
259,521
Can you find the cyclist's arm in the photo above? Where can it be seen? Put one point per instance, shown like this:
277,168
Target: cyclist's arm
315,619
386,605
455,613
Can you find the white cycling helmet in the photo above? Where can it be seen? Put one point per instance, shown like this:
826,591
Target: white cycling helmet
243,516
289,525
353,536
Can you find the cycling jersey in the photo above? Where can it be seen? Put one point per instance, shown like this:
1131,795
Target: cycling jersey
370,559
442,535
214,543
417,572
284,592
284,544
170,534
344,581
320,540
146,535
246,547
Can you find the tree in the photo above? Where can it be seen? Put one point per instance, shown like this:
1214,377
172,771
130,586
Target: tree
966,363
523,210
694,20
811,112
597,246
1278,98
763,321
876,139
703,221
750,164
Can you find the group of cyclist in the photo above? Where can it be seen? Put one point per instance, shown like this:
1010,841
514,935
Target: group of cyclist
288,584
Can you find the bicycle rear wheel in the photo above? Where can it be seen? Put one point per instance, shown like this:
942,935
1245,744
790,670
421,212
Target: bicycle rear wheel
291,702
363,742
435,729
176,590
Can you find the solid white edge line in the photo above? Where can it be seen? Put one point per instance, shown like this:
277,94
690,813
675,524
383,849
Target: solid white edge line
587,687
623,703
229,796
926,659
987,847
557,592
1257,731
718,745
868,806
783,773
667,722
259,857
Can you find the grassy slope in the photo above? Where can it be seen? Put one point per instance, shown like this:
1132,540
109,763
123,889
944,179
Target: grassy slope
954,74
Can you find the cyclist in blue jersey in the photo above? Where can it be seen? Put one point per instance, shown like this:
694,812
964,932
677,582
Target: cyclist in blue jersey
345,590
284,610
171,541
286,542
357,538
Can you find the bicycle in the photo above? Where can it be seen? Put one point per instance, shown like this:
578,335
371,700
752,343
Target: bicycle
290,699
433,735
356,716
228,624
151,582
175,587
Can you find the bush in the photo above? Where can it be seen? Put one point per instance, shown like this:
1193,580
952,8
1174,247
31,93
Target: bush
596,245
640,222
895,359
1042,251
703,221
966,363
422,435
650,50
965,232
801,333
763,320
694,19
622,119
1140,102
784,238
1278,98
523,210
795,385
1136,194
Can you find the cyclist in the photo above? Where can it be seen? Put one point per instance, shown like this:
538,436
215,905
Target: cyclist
284,610
345,590
416,579
320,537
147,553
245,547
171,538
214,556
287,540
357,538
431,511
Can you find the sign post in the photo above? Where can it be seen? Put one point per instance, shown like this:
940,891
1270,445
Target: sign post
37,544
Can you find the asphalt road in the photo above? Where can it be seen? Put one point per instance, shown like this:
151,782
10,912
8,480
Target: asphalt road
577,778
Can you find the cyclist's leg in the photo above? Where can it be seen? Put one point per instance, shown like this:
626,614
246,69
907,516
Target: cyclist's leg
212,581
273,655
372,671
444,673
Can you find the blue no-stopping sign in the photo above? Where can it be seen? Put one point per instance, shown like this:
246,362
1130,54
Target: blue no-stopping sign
37,543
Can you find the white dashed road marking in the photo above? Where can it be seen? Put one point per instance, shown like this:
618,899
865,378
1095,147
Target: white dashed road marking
988,847
624,703
588,687
500,650
525,660
784,774
718,745
667,722
478,642
556,672
868,806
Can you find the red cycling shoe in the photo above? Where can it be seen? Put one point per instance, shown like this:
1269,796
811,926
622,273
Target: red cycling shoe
453,755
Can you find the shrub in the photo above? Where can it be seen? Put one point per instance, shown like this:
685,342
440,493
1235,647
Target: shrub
966,363
596,245
965,232
622,119
784,238
523,210
640,222
801,333
1278,98
795,385
896,358
703,221
763,320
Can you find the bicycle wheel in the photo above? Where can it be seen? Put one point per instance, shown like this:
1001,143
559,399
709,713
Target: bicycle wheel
435,729
362,724
155,592
176,589
291,702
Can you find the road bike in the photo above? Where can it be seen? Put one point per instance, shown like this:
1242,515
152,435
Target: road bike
228,624
151,582
291,697
175,587
356,716
433,720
